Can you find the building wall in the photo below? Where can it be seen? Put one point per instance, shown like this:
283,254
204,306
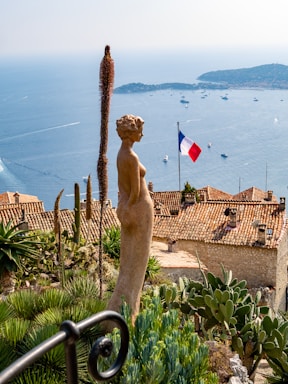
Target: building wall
259,266
281,272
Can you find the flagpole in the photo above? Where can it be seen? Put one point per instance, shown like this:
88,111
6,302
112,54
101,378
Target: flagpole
178,129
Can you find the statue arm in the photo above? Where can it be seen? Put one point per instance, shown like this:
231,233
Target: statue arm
134,180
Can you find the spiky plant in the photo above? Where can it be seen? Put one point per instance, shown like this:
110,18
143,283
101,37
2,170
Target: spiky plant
88,206
76,225
15,246
25,303
106,89
57,214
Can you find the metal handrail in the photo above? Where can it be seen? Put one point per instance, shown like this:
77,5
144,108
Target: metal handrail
69,334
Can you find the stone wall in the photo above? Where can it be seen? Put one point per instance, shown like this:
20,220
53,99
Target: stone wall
281,273
190,273
259,266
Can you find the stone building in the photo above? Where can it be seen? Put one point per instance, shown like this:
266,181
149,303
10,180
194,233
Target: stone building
249,237
246,233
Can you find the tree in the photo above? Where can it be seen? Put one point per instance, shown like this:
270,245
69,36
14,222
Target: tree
189,191
15,245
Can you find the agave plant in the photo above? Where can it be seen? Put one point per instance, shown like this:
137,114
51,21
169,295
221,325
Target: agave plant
15,246
106,88
111,242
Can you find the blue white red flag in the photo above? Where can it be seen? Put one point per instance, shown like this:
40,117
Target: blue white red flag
188,147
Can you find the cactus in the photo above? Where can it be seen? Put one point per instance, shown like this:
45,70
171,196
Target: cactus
106,88
88,207
224,309
227,307
56,214
162,351
76,224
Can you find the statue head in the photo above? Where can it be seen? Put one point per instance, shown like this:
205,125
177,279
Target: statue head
128,124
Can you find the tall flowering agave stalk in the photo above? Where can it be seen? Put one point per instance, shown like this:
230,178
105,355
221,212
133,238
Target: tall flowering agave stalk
88,207
106,89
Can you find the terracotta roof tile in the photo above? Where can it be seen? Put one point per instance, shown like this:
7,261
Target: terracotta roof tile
215,194
16,197
14,212
171,200
207,222
45,221
254,194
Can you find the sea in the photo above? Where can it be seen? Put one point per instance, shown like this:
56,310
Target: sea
50,126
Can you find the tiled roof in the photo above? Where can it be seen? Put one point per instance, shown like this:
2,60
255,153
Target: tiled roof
14,212
207,222
170,199
45,221
254,194
166,227
215,194
13,197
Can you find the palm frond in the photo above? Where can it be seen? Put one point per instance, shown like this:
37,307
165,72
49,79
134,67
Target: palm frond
6,312
81,287
52,316
55,357
25,303
14,330
52,298
40,374
7,355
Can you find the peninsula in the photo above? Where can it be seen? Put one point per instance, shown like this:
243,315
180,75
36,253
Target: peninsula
268,76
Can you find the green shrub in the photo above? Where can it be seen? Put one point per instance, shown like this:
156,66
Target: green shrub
162,351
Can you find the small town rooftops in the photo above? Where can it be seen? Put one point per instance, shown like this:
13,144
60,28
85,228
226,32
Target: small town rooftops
231,222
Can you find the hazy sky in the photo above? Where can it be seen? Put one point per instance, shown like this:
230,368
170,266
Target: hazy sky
49,26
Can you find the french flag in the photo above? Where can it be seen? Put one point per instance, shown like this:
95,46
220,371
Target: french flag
188,147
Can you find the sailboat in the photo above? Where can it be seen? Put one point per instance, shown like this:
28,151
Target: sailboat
165,158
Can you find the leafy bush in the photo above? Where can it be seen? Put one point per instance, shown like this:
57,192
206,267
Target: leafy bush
162,351
152,270
223,309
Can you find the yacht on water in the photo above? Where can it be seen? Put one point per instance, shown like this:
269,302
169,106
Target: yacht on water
165,159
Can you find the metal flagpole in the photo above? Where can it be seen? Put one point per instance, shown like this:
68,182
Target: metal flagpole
178,129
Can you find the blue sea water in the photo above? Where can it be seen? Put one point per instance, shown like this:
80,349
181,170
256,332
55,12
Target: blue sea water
50,129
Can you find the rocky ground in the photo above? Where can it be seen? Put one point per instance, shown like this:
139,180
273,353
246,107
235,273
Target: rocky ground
263,369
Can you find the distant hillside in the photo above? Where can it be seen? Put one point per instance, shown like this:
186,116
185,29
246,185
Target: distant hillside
270,76
140,87
264,76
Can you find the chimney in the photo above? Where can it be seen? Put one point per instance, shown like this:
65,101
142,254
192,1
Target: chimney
189,198
262,234
171,245
282,204
16,198
269,195
232,217
158,208
203,196
150,186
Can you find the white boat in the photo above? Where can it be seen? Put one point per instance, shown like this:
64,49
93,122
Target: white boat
85,179
165,159
209,145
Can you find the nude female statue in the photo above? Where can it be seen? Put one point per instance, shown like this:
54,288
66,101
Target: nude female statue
135,212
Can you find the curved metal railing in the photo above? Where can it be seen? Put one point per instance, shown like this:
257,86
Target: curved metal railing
69,333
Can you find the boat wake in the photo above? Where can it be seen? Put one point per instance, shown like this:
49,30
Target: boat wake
39,131
44,173
8,180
